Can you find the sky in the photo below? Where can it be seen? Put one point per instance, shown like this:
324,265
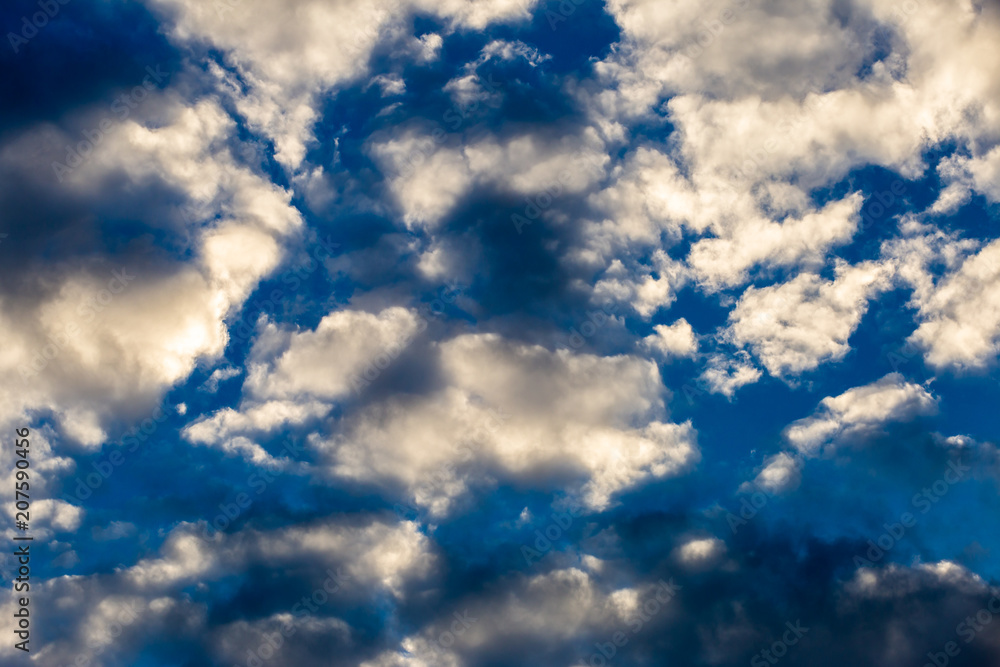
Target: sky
487,333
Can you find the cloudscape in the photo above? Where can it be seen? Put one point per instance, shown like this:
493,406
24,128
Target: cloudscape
489,333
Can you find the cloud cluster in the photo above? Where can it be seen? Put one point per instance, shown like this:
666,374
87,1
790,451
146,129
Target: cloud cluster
91,335
793,327
711,168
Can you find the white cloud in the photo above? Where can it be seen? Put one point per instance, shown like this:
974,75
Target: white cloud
896,581
511,50
795,326
372,553
780,473
389,84
49,516
296,376
288,53
700,551
727,76
859,412
960,315
218,376
99,339
368,555
761,124
964,175
648,198
429,46
650,201
428,176
515,411
563,605
477,14
724,374
673,340
324,362
645,292
956,293
803,241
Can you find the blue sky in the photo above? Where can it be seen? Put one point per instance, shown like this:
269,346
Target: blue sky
503,332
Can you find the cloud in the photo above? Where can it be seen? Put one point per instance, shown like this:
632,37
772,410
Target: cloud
960,314
860,412
965,175
532,614
674,340
90,337
894,581
428,175
693,163
645,292
114,531
128,606
724,374
760,127
699,551
510,50
795,326
296,376
804,242
218,376
651,201
300,639
376,552
520,413
287,54
711,59
780,473
325,363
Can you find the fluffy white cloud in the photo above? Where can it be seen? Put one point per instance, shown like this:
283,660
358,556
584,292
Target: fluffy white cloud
780,473
727,76
123,608
288,53
803,241
47,466
859,412
964,175
295,376
846,419
373,553
523,413
673,340
511,50
700,551
428,175
559,606
327,362
895,581
651,200
218,376
960,315
956,294
476,14
99,338
724,374
645,292
795,326
426,178
761,124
